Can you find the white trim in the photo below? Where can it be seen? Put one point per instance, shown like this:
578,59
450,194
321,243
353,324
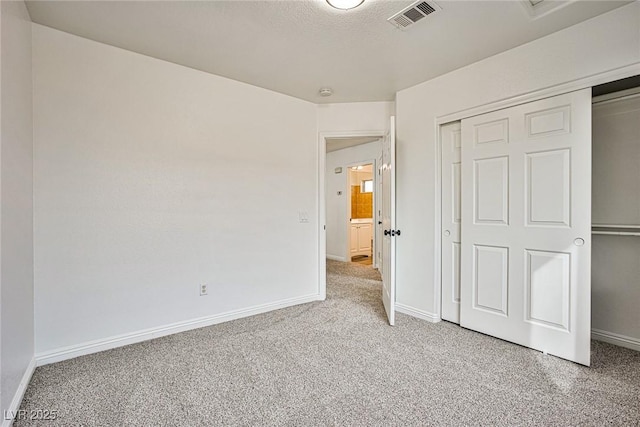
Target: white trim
322,217
582,83
616,339
336,258
17,397
96,346
420,314
437,266
322,199
353,134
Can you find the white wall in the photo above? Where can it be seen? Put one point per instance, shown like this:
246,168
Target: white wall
355,116
600,44
152,178
338,206
16,242
615,288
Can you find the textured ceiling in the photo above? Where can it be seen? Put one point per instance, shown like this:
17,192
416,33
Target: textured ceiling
296,47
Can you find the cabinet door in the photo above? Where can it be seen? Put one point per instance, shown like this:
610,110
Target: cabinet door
364,238
353,240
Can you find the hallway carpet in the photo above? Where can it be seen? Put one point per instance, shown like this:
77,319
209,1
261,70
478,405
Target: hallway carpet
336,363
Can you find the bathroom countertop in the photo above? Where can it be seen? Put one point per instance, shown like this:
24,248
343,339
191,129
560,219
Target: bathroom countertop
361,220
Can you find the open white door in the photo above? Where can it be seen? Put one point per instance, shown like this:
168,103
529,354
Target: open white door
450,143
389,222
526,225
378,214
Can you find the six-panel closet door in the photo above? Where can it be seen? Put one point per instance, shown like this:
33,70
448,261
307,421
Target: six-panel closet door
526,225
451,145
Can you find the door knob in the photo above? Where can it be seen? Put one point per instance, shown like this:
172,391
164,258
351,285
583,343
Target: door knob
387,232
447,233
578,242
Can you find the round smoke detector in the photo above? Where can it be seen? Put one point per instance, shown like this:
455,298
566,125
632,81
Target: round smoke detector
325,91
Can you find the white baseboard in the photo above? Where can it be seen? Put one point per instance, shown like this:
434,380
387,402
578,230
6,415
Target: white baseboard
616,339
420,314
96,346
336,258
17,398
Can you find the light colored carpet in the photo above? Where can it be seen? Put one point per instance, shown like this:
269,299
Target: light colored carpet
336,363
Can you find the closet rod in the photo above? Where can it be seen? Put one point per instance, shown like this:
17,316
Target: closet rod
614,226
617,233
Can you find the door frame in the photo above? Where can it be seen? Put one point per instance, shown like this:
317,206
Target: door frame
571,86
322,198
373,163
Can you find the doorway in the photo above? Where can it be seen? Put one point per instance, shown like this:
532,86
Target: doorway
350,198
339,151
616,213
361,212
613,178
516,226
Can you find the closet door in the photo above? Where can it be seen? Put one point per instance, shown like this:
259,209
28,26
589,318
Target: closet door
526,225
451,216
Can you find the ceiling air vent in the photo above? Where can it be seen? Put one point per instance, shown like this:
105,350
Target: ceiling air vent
412,14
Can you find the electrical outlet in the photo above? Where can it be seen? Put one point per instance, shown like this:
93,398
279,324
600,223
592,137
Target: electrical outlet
203,290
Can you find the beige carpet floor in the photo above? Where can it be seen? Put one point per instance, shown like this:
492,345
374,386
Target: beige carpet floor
336,363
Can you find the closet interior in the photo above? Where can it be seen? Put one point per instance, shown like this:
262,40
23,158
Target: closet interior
615,261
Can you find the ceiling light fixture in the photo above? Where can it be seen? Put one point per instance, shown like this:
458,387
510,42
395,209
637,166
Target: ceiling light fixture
325,91
345,4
